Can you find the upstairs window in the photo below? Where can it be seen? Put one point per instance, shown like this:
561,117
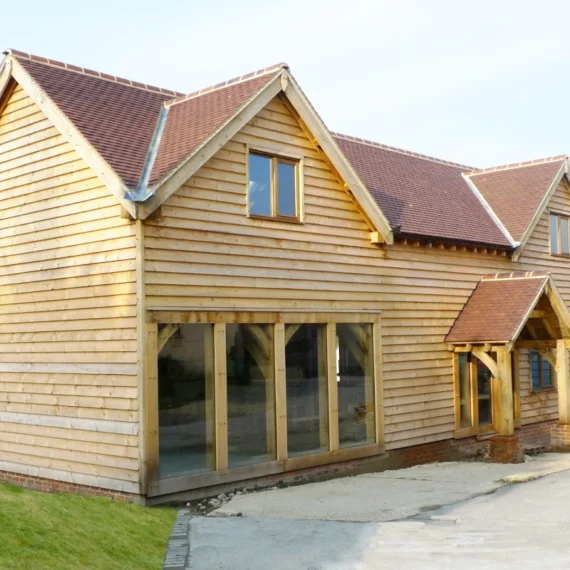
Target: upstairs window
273,189
541,371
559,234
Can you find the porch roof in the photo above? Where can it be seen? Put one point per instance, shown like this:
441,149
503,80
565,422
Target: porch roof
499,307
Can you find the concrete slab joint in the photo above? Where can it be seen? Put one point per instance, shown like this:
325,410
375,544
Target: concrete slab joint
506,449
560,437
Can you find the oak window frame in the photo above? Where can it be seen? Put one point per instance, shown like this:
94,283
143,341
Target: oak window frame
541,360
276,158
559,224
155,486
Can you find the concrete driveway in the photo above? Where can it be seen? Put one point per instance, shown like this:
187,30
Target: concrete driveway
434,516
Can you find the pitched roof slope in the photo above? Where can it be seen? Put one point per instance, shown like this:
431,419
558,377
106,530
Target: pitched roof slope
515,191
496,308
117,117
191,120
423,196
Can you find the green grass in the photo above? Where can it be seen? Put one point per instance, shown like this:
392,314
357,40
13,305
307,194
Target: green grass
41,531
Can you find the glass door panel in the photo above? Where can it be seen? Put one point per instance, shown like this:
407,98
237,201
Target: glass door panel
355,380
185,401
307,391
484,394
251,393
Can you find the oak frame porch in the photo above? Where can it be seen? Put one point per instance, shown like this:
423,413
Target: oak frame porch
542,325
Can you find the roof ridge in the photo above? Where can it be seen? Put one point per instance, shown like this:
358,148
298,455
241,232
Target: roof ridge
91,72
224,84
515,275
516,165
402,151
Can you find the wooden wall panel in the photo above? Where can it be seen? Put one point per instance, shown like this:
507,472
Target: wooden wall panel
203,251
68,385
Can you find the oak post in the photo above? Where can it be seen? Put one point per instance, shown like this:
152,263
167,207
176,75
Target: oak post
332,386
280,391
221,396
505,420
151,403
563,379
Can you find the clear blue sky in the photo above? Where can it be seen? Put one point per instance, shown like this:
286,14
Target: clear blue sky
482,83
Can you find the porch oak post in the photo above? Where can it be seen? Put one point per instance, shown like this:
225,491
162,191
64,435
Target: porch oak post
505,423
563,379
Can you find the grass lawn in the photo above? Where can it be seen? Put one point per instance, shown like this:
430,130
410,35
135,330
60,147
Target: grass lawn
41,531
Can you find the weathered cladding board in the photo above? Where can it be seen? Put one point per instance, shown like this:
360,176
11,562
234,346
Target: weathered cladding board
544,406
205,252
535,406
68,386
418,371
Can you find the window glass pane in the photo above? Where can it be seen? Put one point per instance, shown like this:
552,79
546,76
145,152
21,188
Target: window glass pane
535,369
484,396
185,401
564,235
286,193
464,391
554,234
307,393
259,185
546,373
355,385
251,407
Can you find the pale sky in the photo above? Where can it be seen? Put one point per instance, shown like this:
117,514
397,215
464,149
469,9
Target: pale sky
480,82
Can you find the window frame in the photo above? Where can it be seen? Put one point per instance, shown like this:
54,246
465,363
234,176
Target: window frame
276,158
224,473
559,217
541,359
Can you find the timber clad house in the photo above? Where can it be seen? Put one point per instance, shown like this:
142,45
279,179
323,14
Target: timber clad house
213,290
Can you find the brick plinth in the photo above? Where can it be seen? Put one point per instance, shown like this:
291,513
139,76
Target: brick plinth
52,486
506,449
560,437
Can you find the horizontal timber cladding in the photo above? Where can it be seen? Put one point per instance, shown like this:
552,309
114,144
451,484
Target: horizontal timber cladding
68,365
203,252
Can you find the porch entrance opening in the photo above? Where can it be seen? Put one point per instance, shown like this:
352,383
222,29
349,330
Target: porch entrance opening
507,315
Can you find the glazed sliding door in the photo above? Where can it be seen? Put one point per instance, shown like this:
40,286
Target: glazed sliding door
355,379
250,394
306,387
185,398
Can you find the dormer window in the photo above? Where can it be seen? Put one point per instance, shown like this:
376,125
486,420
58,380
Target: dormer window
273,187
559,234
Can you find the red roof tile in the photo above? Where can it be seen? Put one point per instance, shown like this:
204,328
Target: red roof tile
496,308
423,196
515,192
193,119
117,118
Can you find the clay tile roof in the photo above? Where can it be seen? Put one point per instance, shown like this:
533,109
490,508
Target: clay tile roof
421,195
497,307
192,119
116,116
119,117
524,184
